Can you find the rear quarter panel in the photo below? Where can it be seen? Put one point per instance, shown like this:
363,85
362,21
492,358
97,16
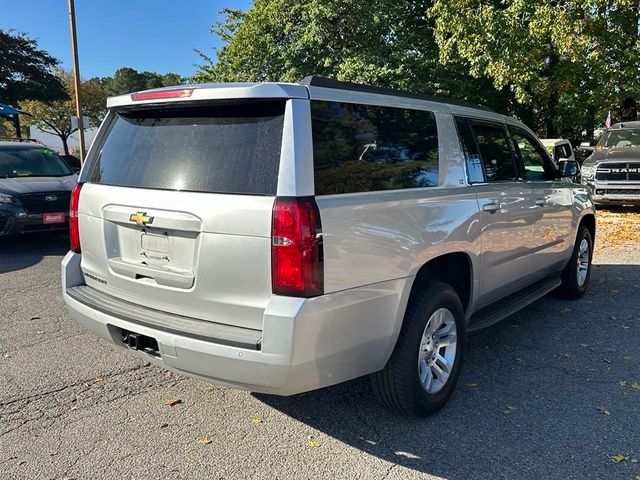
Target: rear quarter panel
378,236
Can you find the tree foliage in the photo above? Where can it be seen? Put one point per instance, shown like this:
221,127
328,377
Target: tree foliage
557,64
127,80
569,59
382,42
55,116
26,72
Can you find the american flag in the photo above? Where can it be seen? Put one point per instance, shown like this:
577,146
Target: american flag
607,122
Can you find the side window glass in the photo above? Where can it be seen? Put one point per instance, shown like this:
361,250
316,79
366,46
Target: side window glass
558,153
363,148
495,152
472,160
536,162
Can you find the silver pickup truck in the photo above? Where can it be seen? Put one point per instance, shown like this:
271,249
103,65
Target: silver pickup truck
612,171
285,237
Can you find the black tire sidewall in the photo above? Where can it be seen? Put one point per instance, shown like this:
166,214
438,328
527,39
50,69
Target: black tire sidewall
570,277
434,296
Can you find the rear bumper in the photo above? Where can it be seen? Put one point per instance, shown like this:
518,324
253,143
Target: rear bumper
305,344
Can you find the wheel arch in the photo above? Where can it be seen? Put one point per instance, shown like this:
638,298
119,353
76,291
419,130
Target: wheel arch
589,221
454,269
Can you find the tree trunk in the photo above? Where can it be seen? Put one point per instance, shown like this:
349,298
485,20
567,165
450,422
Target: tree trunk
64,144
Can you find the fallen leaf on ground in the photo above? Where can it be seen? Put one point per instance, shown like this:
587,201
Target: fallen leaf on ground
510,409
204,440
622,383
73,407
627,357
471,385
635,386
584,345
40,332
256,420
171,403
313,443
614,290
618,457
564,311
566,355
35,317
98,379
168,374
604,410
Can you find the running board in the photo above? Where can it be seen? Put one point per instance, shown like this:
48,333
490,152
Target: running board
508,306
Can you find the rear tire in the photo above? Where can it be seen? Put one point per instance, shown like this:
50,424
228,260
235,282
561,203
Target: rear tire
424,367
576,275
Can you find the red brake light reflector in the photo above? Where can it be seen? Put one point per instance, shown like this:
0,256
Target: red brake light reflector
74,232
162,94
296,248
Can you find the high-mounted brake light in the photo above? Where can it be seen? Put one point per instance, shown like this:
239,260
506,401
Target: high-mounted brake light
74,232
162,94
296,248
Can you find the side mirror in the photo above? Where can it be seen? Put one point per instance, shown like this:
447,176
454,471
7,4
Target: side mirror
587,147
568,168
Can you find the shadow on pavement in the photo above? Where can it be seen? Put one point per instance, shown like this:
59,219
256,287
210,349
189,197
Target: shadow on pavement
17,253
526,405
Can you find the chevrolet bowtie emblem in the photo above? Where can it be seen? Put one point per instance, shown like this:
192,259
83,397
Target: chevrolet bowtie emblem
141,218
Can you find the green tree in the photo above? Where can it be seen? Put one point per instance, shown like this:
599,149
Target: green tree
570,60
382,42
55,116
26,72
127,80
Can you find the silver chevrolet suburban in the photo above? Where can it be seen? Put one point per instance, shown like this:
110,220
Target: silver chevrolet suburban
285,237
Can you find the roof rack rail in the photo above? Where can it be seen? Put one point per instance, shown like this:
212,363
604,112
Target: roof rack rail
20,140
324,82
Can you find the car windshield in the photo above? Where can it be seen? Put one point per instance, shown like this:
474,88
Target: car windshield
628,137
31,162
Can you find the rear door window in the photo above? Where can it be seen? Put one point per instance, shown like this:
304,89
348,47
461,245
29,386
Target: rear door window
363,148
495,152
215,148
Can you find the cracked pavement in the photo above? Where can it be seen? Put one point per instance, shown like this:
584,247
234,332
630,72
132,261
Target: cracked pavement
532,401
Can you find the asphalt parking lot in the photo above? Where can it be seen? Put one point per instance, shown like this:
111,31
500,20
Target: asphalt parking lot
553,392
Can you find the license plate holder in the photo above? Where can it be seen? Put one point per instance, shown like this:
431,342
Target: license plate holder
53,217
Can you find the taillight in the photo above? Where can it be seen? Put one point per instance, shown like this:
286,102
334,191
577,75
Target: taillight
74,232
162,94
296,248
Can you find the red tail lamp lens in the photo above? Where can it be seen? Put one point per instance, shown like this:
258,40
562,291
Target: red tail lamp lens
296,248
74,231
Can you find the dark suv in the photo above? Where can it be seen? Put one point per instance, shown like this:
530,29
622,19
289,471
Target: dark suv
35,186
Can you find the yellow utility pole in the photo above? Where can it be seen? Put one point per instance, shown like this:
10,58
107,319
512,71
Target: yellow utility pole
76,77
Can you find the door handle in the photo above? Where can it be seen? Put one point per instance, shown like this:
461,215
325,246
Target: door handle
541,202
491,207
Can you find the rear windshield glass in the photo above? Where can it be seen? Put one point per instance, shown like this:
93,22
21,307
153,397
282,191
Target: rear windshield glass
31,162
223,149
